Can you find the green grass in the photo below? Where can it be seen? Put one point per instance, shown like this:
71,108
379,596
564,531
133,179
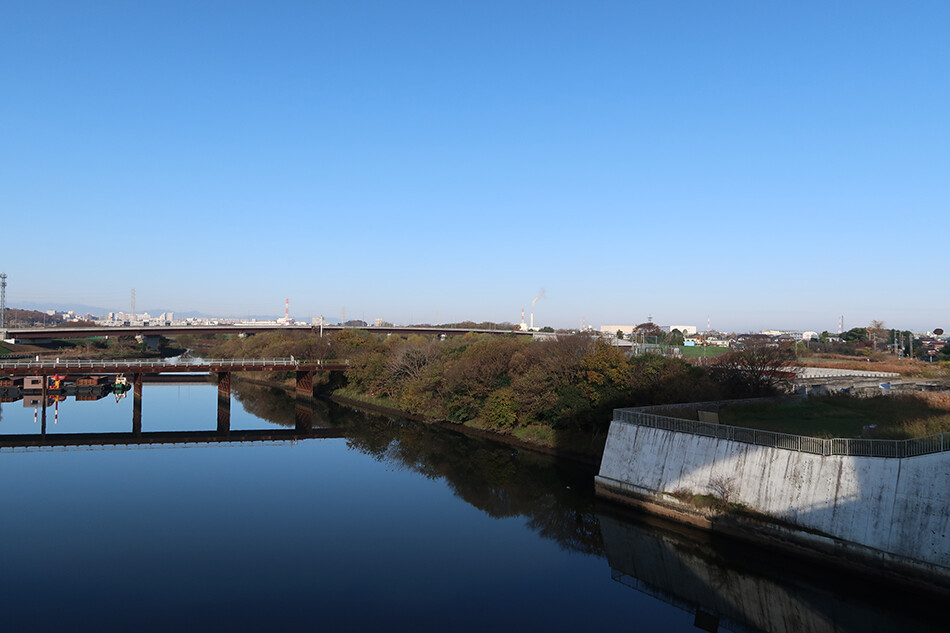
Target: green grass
379,401
536,434
896,417
699,352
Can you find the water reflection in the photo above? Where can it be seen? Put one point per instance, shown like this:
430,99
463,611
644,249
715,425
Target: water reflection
716,582
382,527
41,436
554,496
740,588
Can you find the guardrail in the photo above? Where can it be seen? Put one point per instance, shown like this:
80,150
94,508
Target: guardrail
159,364
818,446
809,373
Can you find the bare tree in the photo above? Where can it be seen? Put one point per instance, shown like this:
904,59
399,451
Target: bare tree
724,488
876,332
756,371
410,361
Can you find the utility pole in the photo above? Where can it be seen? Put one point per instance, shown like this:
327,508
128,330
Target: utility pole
3,302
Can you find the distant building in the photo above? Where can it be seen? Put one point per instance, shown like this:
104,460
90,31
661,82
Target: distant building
685,330
613,329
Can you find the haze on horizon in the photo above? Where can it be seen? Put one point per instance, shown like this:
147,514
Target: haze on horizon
766,165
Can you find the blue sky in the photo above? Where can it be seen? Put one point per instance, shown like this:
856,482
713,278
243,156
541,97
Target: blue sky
767,164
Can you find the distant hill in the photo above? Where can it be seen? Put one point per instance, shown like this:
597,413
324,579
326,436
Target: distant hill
15,317
78,308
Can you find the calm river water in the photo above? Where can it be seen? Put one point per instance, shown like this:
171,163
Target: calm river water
394,526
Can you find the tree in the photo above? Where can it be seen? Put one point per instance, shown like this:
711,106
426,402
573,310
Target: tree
620,334
604,373
676,338
757,371
876,333
855,335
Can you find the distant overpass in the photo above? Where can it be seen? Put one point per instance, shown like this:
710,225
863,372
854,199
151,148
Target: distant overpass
50,333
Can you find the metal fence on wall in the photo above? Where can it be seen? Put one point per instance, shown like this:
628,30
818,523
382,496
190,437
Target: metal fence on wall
816,445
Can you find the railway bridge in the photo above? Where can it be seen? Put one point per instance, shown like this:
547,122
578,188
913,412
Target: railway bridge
72,369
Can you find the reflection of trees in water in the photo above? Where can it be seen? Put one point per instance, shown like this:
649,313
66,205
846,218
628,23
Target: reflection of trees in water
271,403
267,403
555,497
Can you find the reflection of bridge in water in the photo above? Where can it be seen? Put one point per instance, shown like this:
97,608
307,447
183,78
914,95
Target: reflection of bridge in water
164,370
79,440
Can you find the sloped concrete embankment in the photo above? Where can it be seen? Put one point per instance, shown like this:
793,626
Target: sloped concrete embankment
892,513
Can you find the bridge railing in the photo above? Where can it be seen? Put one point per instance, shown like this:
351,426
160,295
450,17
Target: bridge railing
855,447
244,363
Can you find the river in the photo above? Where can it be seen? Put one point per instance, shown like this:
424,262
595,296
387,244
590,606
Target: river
393,526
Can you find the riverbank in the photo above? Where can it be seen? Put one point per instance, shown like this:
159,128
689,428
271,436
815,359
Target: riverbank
885,515
548,446
348,398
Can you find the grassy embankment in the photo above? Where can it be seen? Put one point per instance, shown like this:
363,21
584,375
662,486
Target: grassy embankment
897,417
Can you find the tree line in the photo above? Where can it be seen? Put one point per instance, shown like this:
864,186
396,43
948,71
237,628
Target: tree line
503,383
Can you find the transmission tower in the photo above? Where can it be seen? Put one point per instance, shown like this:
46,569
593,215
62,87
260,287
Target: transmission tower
3,301
133,304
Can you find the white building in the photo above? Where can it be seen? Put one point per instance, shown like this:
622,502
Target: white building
686,330
612,329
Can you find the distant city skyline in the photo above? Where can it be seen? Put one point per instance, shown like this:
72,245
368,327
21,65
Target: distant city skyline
81,309
770,166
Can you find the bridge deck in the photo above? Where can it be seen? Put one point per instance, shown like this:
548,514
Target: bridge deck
62,332
47,367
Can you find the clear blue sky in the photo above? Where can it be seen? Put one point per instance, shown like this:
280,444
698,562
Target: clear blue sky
768,164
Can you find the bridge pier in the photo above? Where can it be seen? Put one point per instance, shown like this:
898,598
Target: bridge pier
44,396
303,417
224,402
304,387
137,404
151,341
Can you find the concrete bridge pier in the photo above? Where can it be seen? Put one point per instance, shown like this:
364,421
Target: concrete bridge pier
137,404
224,402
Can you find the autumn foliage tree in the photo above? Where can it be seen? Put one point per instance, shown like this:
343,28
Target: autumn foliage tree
570,383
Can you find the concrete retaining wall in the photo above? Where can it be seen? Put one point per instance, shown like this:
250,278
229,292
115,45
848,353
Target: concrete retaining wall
899,507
